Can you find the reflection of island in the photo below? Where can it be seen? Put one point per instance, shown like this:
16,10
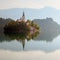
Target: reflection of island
19,37
49,29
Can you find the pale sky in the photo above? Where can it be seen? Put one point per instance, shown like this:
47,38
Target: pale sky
37,4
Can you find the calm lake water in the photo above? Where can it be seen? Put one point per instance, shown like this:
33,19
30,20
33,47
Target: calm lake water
45,48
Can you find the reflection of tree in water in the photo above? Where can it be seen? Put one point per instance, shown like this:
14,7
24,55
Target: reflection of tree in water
21,37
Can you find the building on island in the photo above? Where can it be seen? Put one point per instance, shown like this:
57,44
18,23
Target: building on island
22,18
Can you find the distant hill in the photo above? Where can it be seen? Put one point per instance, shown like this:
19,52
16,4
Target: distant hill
49,29
16,13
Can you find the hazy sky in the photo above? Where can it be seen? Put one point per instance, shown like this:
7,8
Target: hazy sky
5,4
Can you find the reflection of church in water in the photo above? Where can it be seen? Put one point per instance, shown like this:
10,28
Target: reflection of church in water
22,42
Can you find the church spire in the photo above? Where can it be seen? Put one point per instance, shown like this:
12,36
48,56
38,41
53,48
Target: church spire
23,16
23,13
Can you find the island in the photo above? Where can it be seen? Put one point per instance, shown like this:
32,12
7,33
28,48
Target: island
24,28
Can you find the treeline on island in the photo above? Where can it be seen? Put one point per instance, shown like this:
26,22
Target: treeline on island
26,29
3,22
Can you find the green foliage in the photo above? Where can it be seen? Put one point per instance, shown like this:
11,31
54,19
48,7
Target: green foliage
16,27
21,29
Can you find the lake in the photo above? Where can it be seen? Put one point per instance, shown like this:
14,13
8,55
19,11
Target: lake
45,48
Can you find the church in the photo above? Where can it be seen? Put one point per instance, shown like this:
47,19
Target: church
22,18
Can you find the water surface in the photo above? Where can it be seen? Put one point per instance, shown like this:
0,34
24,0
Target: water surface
37,48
